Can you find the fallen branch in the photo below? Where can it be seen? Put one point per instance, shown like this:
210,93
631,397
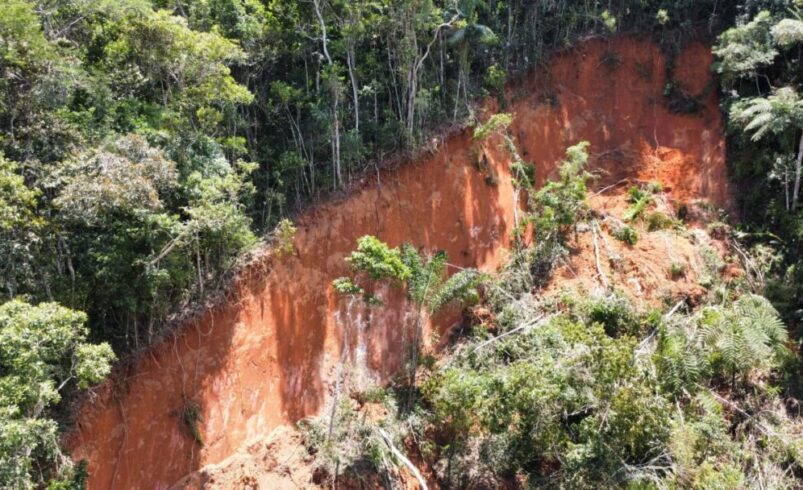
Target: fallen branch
518,329
409,464
668,315
602,277
605,189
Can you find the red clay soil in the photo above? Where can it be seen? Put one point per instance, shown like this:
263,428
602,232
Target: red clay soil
267,357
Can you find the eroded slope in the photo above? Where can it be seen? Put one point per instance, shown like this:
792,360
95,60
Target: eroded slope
266,356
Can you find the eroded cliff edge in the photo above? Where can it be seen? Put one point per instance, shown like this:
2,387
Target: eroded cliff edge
266,356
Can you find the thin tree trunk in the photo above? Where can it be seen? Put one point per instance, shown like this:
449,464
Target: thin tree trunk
338,180
798,169
351,62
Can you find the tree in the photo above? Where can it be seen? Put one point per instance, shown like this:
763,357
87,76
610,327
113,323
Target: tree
185,70
745,49
424,279
19,224
559,203
465,32
779,114
743,52
43,348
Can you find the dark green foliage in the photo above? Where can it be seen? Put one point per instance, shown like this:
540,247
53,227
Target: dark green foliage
614,313
565,404
759,60
567,399
560,204
660,221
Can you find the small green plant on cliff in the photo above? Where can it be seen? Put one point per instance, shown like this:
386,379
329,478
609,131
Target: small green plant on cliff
43,350
191,417
285,233
639,197
522,172
423,277
660,221
561,203
677,270
554,211
626,234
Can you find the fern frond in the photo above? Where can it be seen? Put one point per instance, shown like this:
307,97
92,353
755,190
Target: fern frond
457,287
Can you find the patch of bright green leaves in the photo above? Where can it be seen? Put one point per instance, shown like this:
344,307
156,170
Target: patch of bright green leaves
43,348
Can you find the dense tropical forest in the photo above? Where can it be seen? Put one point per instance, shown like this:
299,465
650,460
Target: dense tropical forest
147,147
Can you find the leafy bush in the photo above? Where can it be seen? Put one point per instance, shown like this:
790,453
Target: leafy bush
626,234
285,233
639,198
677,270
43,349
614,313
659,221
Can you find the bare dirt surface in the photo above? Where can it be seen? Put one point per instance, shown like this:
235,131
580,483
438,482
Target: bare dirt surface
267,357
663,267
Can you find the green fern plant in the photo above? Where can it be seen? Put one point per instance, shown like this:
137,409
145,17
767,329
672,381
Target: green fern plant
679,358
639,198
747,336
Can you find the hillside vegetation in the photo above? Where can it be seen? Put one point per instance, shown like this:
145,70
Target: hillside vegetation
575,387
148,147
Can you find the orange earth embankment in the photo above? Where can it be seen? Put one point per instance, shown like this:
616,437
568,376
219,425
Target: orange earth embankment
268,355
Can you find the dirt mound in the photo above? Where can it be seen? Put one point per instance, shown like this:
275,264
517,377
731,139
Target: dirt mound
267,357
669,261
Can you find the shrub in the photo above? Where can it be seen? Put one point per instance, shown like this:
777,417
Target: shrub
43,349
191,417
626,234
677,270
285,234
659,221
614,313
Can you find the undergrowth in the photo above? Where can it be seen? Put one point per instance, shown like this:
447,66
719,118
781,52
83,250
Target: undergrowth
591,391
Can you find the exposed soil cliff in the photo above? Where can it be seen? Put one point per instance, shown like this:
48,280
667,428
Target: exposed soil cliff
665,267
267,356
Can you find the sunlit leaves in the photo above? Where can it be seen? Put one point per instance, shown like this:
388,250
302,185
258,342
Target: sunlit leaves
17,201
128,177
42,348
787,32
559,203
744,49
775,114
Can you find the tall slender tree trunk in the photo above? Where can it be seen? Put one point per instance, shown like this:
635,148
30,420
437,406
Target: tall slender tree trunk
352,65
338,180
798,170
